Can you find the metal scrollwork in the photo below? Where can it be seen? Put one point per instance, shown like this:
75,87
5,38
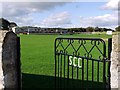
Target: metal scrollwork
72,41
98,43
90,56
100,58
82,47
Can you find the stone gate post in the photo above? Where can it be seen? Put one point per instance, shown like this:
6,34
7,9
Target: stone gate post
115,63
9,60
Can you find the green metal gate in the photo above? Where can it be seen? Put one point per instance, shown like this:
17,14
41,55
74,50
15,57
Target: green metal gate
82,63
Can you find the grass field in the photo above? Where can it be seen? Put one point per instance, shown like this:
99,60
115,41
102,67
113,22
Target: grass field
37,58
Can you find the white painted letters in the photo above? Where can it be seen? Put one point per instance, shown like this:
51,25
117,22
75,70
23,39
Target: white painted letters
73,62
79,62
70,60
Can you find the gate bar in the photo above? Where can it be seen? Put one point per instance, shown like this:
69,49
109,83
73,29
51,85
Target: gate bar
109,63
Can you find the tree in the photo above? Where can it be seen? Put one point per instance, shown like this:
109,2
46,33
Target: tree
117,28
70,30
97,29
12,24
4,24
89,29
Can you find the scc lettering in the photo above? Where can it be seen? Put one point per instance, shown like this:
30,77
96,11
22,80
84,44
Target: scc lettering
73,62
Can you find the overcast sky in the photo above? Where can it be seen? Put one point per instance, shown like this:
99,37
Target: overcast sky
62,14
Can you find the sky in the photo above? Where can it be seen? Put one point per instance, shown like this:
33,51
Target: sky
62,14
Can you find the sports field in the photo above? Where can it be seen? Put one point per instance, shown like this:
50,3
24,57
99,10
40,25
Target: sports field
37,58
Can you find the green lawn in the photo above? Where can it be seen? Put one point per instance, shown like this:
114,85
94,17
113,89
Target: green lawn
37,58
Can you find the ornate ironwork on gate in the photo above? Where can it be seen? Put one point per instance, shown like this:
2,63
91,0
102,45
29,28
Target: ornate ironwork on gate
82,63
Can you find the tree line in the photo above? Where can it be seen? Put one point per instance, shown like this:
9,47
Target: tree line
5,25
90,29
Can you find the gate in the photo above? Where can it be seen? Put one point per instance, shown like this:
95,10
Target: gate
82,63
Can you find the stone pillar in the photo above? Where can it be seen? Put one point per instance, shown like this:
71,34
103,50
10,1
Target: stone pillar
115,63
9,60
2,35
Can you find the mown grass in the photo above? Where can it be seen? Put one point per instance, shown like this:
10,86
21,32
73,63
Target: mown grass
37,58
